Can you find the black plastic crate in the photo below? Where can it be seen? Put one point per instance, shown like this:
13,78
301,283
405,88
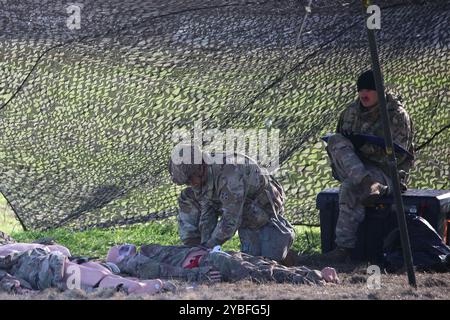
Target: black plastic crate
433,205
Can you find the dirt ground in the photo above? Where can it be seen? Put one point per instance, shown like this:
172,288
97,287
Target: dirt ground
353,286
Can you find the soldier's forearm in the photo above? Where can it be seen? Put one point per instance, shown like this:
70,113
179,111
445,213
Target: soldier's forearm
206,231
216,241
206,236
212,242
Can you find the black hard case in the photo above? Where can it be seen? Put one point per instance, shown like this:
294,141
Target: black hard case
433,205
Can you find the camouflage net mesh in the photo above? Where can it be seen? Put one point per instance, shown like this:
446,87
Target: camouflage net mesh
87,114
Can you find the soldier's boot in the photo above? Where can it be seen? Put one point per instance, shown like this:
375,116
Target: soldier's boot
371,190
337,255
291,259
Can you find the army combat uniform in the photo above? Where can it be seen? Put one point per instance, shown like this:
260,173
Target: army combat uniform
246,201
157,261
35,269
351,164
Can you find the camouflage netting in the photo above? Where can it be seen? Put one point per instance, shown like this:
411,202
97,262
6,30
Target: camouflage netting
87,114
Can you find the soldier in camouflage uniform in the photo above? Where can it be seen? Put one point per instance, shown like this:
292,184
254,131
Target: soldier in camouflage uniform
362,168
197,263
234,188
35,269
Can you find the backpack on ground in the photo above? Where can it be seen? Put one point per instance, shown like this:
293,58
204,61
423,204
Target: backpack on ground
428,250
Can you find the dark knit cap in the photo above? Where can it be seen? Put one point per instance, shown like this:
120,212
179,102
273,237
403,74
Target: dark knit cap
366,81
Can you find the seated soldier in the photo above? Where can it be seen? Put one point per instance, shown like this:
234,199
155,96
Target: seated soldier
33,266
197,263
362,167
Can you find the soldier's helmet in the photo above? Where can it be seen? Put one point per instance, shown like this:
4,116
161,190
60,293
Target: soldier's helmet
185,161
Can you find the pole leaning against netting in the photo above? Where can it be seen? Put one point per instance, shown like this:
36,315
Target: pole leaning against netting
371,25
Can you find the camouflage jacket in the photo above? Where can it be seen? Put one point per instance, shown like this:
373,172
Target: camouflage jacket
35,269
358,120
157,261
235,192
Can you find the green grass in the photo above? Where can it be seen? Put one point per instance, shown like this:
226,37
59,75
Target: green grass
8,223
96,242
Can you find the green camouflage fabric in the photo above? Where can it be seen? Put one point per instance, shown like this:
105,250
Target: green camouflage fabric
35,269
351,164
237,192
158,261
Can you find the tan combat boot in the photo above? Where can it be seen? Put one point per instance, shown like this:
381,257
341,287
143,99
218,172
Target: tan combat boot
337,255
371,190
291,259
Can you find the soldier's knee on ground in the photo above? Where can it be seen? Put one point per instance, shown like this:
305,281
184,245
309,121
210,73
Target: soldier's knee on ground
276,239
250,241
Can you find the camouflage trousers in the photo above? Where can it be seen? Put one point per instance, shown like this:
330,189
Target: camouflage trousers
235,266
143,267
350,170
35,269
272,239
